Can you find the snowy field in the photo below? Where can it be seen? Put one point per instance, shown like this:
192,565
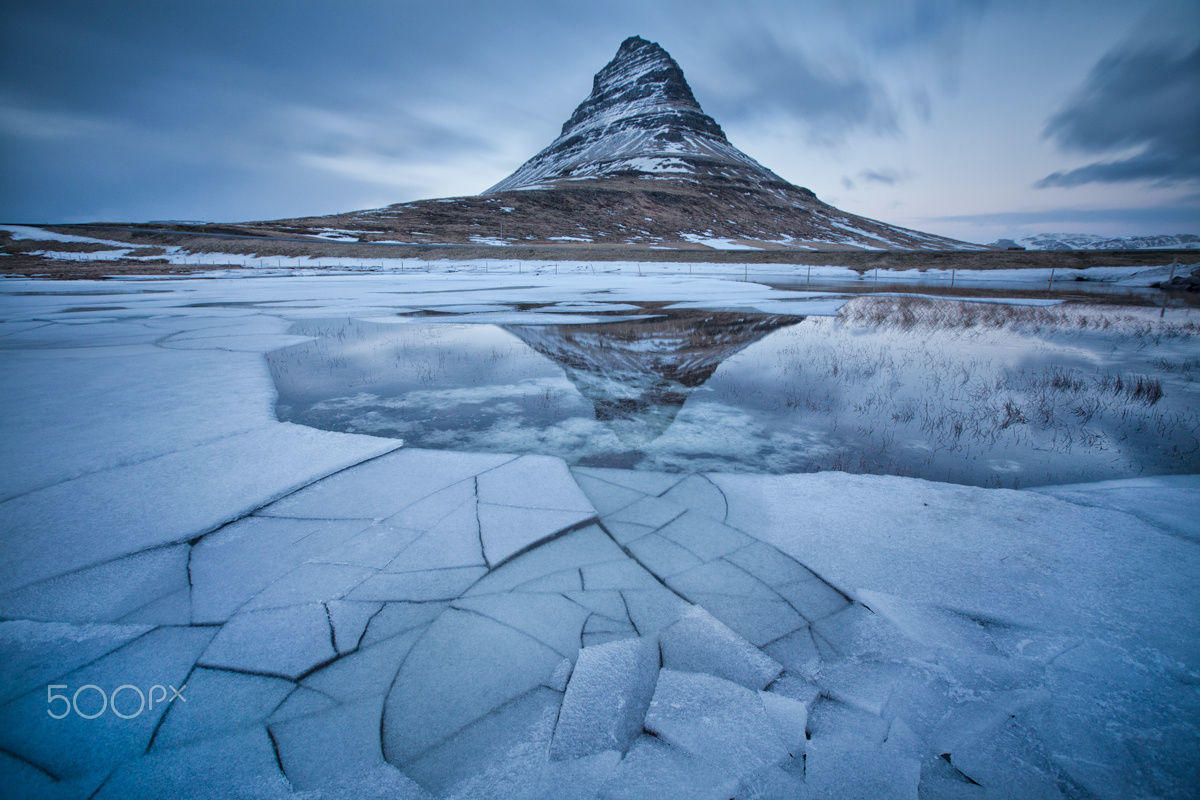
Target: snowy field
1022,278
352,617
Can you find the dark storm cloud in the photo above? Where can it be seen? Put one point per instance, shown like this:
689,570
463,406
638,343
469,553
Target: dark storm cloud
1146,98
386,132
777,78
898,25
234,110
881,177
1184,215
888,177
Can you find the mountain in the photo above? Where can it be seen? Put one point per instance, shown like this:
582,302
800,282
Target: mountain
638,164
642,120
1090,241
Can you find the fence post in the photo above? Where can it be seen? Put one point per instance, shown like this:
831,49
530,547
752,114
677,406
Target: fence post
1162,312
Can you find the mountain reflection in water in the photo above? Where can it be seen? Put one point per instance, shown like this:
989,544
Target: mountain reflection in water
637,374
978,393
598,394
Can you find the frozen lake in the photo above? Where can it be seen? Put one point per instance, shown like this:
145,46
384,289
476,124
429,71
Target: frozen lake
357,615
979,393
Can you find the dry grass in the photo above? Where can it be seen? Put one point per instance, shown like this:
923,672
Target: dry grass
284,238
970,384
909,313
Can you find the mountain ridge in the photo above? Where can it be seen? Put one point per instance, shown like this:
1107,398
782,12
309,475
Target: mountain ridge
1091,241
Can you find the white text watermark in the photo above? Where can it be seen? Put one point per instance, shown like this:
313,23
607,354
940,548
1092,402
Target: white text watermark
91,701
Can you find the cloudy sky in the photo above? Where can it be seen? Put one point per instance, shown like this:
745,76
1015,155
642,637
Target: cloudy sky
974,119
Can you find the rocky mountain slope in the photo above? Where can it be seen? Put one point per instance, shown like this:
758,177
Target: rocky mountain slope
640,119
638,164
1091,241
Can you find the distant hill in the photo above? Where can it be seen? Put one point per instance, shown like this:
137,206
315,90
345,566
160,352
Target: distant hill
1089,241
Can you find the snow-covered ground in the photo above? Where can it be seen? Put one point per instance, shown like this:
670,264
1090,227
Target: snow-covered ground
356,618
1034,277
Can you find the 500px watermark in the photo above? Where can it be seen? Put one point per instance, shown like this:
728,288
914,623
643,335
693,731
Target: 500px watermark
90,701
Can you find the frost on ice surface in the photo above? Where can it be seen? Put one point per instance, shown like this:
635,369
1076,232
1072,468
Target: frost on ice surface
219,701
35,652
247,643
719,722
195,485
352,617
74,746
654,769
700,643
247,765
1170,502
606,698
231,567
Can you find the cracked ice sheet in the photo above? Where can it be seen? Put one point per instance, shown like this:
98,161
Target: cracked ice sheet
171,498
75,746
126,404
36,652
1091,607
496,658
989,552
362,295
241,561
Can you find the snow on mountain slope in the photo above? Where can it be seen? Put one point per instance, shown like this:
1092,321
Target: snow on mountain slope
1091,241
640,117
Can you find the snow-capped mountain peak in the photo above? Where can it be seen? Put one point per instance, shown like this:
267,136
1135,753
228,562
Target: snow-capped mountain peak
640,118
